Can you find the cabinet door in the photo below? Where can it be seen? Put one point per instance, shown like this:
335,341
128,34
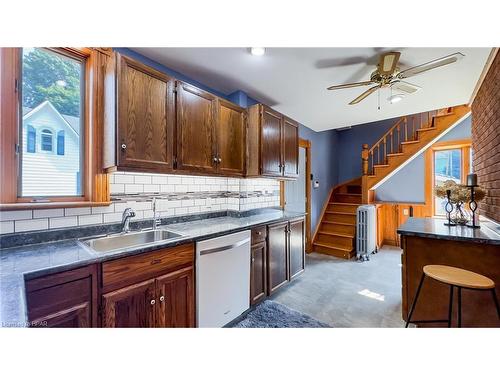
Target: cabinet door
258,277
231,128
296,248
132,306
176,299
196,147
66,299
290,148
270,142
277,259
145,114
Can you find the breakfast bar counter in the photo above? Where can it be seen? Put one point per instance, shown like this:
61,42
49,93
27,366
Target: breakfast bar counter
428,241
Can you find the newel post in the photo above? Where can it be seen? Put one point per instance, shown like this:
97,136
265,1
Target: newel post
364,159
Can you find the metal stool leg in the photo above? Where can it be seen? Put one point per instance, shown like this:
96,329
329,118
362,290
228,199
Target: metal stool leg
450,307
459,307
408,321
496,301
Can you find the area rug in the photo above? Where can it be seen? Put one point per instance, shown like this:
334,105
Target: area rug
270,314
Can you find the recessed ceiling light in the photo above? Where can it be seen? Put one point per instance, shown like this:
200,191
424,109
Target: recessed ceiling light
257,51
395,98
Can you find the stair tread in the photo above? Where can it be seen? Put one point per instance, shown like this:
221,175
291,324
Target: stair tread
409,142
331,246
396,154
355,194
426,129
336,234
345,204
337,223
381,165
340,213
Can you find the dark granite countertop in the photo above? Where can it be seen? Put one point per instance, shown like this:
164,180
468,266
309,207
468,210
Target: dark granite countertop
21,263
435,228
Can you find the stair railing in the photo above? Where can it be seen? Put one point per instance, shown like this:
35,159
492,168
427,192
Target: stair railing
405,129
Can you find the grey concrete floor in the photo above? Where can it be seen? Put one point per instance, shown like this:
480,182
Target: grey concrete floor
346,293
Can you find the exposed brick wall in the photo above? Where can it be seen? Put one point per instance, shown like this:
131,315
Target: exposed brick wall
486,140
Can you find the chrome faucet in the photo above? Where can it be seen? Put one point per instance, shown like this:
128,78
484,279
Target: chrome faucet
156,220
127,215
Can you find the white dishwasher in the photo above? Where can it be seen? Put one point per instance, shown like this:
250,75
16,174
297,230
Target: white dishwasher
222,279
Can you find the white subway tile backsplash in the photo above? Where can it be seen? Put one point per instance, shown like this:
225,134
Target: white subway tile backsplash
77,211
159,180
117,188
115,217
142,179
181,210
29,225
148,188
134,189
6,227
124,178
172,180
15,215
90,219
62,222
103,209
53,212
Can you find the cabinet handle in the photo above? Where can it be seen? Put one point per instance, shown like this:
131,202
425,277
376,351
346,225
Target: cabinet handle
162,298
219,160
124,146
259,233
215,159
253,259
153,301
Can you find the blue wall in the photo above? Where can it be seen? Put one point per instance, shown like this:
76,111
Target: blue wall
350,142
408,184
324,146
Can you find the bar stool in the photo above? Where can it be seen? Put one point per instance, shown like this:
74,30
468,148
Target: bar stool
454,277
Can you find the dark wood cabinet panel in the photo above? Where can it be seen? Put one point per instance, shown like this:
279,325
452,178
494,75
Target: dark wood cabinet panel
277,258
231,129
130,307
271,143
290,148
258,273
66,299
176,299
145,117
196,117
296,248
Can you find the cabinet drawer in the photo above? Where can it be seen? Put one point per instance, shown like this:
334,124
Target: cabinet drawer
132,269
259,234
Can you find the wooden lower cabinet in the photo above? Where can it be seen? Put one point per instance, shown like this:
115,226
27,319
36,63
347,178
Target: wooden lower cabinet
66,299
176,299
277,257
296,248
258,273
285,253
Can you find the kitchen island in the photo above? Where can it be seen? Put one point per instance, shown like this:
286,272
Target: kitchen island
428,241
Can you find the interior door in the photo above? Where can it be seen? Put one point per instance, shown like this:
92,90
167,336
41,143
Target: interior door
271,142
296,248
176,299
277,259
231,128
295,190
145,114
132,307
290,148
196,116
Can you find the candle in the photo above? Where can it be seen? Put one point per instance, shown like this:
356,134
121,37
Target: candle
472,179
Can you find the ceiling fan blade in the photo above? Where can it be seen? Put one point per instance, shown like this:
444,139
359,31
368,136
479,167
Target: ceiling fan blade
431,65
371,90
406,87
388,63
348,85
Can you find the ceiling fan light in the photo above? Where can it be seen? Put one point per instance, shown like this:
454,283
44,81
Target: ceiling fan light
395,98
257,51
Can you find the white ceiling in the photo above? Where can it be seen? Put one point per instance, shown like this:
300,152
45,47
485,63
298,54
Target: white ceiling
294,80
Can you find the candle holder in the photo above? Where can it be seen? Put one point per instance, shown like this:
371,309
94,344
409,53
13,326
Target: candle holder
473,207
449,209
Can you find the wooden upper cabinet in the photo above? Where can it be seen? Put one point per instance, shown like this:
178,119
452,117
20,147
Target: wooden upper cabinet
145,117
231,136
290,148
196,118
130,307
271,143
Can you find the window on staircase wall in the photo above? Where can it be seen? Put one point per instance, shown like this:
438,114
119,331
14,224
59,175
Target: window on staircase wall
448,160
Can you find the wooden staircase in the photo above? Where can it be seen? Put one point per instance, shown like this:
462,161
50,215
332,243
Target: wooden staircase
337,230
408,136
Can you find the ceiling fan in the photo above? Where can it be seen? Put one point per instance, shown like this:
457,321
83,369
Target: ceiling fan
388,74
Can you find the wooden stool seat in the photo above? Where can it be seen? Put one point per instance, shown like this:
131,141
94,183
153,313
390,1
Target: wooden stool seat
458,277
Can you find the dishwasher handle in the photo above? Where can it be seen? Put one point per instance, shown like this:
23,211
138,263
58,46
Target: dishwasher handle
224,248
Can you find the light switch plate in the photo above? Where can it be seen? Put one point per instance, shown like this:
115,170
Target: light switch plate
405,212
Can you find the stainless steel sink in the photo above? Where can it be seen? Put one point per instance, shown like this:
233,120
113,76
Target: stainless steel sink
131,240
